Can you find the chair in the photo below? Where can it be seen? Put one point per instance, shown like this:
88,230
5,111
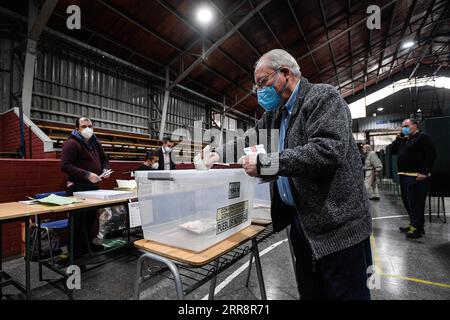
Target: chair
55,225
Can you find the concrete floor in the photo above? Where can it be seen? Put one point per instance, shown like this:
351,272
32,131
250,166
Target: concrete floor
410,269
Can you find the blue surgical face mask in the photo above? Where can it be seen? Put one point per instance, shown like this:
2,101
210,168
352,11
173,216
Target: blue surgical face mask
406,131
268,97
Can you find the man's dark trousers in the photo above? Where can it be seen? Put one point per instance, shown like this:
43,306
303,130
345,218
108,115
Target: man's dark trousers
414,196
85,223
339,276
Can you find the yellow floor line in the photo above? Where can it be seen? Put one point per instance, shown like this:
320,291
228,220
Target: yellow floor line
438,284
376,257
377,262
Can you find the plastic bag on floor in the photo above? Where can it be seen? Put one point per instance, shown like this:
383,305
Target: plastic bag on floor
112,222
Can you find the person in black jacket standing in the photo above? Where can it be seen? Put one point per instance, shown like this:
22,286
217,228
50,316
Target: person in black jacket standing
165,155
416,155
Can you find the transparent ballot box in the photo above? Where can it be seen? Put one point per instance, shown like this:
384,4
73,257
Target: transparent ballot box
261,202
193,209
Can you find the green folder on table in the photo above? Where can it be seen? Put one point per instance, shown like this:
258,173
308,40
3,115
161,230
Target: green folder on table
53,199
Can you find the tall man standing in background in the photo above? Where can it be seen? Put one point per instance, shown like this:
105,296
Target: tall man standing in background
416,156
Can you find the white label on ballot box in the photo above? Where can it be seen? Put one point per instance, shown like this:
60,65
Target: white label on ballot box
135,215
231,216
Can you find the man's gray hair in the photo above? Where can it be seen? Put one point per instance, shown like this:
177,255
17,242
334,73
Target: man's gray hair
279,58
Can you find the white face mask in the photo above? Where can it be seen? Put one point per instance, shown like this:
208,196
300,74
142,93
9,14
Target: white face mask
167,149
87,133
155,166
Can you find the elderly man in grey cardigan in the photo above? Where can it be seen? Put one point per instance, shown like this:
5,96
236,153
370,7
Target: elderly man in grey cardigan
372,168
317,179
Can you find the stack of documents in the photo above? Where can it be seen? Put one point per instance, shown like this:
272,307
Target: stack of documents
126,184
104,194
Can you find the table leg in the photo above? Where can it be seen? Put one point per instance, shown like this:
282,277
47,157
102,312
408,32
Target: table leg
170,265
138,278
71,249
39,244
212,285
259,273
249,269
1,259
128,223
27,259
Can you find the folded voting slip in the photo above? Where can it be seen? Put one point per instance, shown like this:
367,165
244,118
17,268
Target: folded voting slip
57,200
104,194
261,206
126,184
106,173
255,150
199,226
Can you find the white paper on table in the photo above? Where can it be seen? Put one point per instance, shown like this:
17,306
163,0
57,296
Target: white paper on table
127,184
135,214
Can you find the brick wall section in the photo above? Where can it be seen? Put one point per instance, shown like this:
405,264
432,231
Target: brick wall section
10,138
22,178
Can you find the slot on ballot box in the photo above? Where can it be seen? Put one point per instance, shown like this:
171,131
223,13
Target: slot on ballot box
193,209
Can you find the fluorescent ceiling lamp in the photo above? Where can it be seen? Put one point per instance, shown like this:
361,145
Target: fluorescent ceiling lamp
380,109
358,108
204,15
408,44
374,114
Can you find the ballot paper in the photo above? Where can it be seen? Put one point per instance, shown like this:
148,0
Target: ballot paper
257,149
57,200
126,184
106,173
199,226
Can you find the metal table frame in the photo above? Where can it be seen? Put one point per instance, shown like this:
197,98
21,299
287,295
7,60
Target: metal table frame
61,270
196,276
5,278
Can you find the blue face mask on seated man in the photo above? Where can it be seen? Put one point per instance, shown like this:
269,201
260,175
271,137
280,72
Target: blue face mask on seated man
406,131
268,97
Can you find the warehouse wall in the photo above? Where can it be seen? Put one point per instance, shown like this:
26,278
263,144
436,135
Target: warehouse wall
70,82
6,102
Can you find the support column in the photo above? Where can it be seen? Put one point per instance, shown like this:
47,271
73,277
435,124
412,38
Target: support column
162,127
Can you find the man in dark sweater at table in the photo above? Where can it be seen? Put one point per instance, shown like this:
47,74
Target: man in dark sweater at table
416,156
150,161
84,160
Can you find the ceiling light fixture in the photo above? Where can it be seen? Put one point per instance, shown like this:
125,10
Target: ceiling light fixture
204,15
407,44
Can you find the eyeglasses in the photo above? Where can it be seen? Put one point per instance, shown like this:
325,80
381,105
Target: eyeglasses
263,81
